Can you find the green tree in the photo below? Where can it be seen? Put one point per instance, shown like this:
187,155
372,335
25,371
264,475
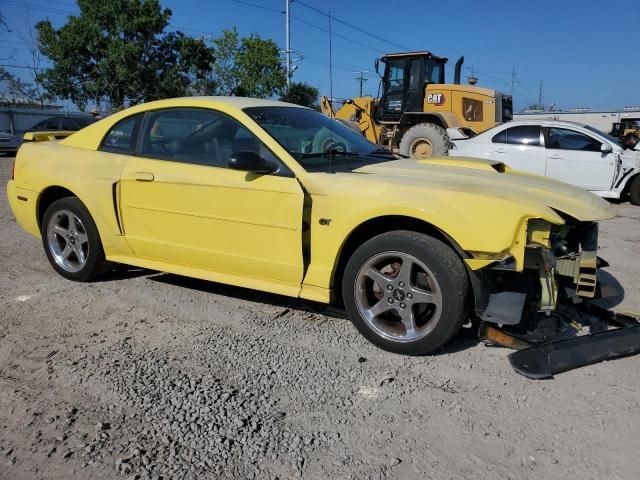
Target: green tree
225,72
117,52
248,66
14,91
301,93
260,70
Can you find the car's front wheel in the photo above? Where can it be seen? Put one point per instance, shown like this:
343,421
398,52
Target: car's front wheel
406,292
71,240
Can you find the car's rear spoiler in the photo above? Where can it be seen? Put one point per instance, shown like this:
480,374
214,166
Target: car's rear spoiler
46,136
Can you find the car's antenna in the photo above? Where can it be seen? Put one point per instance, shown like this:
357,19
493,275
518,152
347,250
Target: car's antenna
330,96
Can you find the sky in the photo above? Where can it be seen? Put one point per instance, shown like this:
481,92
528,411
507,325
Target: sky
583,53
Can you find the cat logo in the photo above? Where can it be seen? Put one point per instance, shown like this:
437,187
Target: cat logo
436,98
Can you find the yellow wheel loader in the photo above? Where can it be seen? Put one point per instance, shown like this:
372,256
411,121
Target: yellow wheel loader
417,106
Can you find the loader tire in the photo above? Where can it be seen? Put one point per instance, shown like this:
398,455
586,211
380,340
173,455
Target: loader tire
425,140
634,190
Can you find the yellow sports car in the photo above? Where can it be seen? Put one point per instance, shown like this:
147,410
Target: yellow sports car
280,198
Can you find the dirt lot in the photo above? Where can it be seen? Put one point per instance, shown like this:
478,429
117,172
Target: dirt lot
149,375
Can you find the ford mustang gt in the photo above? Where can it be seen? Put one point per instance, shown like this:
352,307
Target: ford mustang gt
279,198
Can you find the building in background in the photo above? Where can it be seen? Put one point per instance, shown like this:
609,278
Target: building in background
602,120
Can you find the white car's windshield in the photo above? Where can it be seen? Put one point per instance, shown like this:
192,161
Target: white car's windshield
317,142
602,134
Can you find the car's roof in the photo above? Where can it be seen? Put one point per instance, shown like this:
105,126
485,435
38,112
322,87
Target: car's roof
237,102
540,121
90,136
67,116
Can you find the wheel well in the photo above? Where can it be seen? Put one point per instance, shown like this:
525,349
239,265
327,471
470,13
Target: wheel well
50,195
409,120
379,225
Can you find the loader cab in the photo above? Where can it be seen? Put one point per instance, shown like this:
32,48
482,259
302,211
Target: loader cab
404,81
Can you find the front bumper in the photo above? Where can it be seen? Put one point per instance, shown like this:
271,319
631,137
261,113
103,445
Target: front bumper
8,151
544,361
556,262
542,353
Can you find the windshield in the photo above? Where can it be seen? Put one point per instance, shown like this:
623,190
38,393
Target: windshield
434,72
317,142
613,140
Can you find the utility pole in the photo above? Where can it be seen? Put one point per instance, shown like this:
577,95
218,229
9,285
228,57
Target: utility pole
361,78
513,79
287,40
540,95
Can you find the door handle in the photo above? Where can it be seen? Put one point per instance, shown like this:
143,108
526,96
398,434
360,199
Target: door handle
144,176
555,157
500,150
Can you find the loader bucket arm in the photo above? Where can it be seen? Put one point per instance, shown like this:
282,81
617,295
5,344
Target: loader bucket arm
326,107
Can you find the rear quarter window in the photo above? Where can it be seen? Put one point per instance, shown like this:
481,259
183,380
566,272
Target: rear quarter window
123,136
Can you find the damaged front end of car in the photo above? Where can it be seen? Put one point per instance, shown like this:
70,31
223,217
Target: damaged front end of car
538,299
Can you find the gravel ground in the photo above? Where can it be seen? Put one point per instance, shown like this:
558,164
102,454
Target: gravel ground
150,375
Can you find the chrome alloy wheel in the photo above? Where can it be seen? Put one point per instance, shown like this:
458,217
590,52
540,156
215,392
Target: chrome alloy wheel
67,240
398,296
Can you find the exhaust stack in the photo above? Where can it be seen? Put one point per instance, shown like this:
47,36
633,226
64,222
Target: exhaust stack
459,63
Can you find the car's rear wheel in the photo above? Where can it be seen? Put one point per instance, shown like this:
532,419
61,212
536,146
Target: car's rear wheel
71,240
634,190
406,292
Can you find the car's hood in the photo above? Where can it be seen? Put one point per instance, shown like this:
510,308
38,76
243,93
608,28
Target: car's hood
493,179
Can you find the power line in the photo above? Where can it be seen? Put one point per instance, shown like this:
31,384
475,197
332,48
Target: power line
308,23
350,66
355,42
350,25
21,66
255,5
37,7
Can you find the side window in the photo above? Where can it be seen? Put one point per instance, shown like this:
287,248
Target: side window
500,137
52,124
197,136
472,110
565,139
122,136
396,77
68,124
524,135
415,75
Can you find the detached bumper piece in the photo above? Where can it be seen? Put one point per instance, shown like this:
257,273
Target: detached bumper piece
612,335
544,361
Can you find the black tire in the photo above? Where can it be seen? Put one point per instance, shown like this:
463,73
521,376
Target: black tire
95,263
432,134
634,190
446,267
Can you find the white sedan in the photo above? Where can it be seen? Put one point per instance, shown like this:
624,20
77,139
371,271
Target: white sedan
566,151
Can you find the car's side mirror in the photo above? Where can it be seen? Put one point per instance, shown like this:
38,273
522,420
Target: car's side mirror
249,161
606,148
